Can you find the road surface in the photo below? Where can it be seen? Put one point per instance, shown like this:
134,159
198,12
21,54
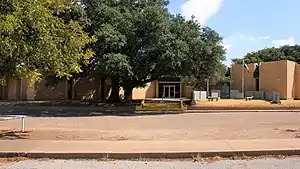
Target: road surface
288,163
213,126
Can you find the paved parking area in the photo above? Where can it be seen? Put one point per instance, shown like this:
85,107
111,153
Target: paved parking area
213,126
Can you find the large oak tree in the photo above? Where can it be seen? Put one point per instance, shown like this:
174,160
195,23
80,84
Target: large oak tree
140,41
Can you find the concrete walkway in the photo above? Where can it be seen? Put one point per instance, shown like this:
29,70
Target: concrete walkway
239,111
147,149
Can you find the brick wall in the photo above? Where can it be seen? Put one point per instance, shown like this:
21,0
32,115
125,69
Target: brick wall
279,76
151,91
297,81
87,88
236,77
290,82
57,92
186,91
147,92
273,77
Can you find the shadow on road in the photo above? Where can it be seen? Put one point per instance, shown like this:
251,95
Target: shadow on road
77,112
13,135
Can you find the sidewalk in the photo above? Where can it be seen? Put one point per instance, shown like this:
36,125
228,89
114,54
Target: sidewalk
147,149
94,111
239,111
212,111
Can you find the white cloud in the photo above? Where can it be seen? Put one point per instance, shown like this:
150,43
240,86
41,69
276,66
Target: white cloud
243,37
282,42
203,10
264,37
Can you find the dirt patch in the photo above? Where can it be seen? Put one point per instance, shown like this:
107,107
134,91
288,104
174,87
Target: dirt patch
15,159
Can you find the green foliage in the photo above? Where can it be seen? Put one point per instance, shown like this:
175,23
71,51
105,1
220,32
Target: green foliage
272,54
217,77
225,80
37,37
140,41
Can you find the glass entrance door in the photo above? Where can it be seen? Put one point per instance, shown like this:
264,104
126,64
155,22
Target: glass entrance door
169,91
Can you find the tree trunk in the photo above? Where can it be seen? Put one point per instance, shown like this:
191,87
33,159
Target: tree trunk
128,94
115,91
102,89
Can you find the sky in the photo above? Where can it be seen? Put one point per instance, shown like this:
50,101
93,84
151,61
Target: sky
245,25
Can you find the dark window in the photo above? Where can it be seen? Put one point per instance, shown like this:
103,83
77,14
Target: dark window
170,79
164,88
177,90
160,90
70,89
257,84
256,72
228,72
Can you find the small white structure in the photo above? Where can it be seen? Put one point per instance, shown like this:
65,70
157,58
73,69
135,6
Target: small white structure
12,117
199,95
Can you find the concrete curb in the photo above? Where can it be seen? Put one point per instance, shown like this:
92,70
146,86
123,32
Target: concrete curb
129,156
206,111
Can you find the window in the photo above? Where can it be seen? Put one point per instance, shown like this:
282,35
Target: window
169,90
257,84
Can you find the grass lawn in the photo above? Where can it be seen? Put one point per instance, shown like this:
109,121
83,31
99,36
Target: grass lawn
243,103
161,107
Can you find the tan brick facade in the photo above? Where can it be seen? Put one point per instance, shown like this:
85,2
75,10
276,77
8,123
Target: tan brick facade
147,92
236,77
279,76
151,91
88,88
85,88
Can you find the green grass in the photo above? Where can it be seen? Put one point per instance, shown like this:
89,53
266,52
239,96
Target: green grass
161,107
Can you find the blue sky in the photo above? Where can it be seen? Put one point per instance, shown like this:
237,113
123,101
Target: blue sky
246,25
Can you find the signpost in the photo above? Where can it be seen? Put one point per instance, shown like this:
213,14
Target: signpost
12,117
243,78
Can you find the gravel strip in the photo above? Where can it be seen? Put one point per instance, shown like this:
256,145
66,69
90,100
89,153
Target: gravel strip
267,163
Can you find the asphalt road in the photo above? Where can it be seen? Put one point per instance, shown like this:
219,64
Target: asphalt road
212,126
288,163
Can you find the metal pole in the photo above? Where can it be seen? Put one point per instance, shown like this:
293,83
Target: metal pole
23,124
207,86
243,78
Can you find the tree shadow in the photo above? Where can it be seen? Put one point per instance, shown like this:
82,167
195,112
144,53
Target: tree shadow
13,135
294,132
80,112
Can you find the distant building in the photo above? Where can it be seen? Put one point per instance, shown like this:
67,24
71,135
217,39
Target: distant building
278,76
